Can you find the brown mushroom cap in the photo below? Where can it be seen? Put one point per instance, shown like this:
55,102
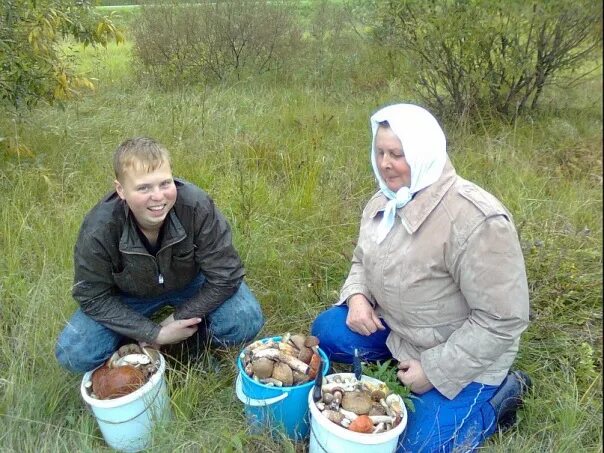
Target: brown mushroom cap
358,402
361,424
263,367
298,340
283,373
305,354
377,395
116,382
131,348
311,341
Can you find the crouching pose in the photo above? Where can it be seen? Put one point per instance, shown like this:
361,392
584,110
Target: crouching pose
438,283
154,242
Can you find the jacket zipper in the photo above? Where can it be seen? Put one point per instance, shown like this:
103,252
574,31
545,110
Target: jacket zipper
160,277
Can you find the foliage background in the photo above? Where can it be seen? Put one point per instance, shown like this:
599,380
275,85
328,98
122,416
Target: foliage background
285,156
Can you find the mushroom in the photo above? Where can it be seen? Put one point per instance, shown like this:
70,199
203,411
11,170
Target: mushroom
357,402
300,378
315,361
362,424
377,409
311,341
131,348
263,367
283,373
305,354
275,354
377,395
333,416
298,341
116,382
272,381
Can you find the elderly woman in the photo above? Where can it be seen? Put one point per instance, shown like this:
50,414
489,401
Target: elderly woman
438,283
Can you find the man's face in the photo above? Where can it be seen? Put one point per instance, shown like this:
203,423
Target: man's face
390,159
150,196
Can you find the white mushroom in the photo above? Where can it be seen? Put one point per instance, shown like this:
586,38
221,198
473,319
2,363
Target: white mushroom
133,359
275,354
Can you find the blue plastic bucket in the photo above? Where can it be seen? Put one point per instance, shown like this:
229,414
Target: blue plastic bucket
127,422
276,409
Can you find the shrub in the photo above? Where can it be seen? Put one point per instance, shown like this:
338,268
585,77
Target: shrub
215,40
488,54
33,66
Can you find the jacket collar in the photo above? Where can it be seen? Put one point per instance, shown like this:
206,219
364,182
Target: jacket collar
414,213
130,240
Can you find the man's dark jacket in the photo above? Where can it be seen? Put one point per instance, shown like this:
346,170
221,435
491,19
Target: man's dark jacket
110,259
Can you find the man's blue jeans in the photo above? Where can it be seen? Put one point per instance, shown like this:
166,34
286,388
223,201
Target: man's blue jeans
84,344
437,424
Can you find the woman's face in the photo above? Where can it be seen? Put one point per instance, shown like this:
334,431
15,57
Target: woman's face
390,159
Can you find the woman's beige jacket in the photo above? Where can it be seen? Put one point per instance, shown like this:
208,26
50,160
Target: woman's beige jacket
449,280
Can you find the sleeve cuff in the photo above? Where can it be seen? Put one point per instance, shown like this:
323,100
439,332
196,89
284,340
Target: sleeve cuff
351,290
436,376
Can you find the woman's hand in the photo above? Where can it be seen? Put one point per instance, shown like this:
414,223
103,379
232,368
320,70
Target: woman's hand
412,375
176,331
361,316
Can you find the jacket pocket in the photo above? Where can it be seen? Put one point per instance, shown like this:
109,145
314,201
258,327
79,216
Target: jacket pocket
184,268
136,283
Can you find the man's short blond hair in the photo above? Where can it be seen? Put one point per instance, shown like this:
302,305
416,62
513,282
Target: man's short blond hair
139,153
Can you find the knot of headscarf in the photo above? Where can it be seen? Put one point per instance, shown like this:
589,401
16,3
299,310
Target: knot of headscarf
425,149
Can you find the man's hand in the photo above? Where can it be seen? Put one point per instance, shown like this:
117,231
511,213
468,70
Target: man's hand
361,316
412,375
176,331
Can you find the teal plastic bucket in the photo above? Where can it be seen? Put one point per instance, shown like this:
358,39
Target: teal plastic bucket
276,409
127,422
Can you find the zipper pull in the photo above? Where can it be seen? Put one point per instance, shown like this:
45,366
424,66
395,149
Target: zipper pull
160,279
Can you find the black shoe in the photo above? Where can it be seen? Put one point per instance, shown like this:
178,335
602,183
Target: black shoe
508,398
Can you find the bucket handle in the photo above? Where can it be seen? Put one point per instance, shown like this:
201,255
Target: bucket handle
253,402
111,422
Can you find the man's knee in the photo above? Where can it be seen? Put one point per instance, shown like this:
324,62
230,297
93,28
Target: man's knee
238,320
74,361
79,353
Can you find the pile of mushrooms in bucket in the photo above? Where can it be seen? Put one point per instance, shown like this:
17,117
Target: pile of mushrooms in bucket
128,369
346,400
292,360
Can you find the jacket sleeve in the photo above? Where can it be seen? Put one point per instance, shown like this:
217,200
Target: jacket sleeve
489,269
355,282
217,259
96,292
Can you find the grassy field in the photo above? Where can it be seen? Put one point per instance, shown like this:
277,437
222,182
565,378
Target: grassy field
287,162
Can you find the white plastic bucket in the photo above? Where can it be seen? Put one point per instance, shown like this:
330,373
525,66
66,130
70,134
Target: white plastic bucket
127,422
327,437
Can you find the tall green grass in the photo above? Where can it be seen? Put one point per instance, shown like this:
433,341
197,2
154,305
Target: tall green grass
288,164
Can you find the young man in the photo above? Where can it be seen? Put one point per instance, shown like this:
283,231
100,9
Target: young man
155,241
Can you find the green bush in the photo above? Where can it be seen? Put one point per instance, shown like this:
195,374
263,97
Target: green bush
33,64
488,55
214,41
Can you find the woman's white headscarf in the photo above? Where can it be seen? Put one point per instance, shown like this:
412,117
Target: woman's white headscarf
425,149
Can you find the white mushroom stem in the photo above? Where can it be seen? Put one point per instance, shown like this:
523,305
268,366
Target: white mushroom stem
376,419
275,354
272,381
337,385
349,415
380,428
289,349
386,407
259,345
